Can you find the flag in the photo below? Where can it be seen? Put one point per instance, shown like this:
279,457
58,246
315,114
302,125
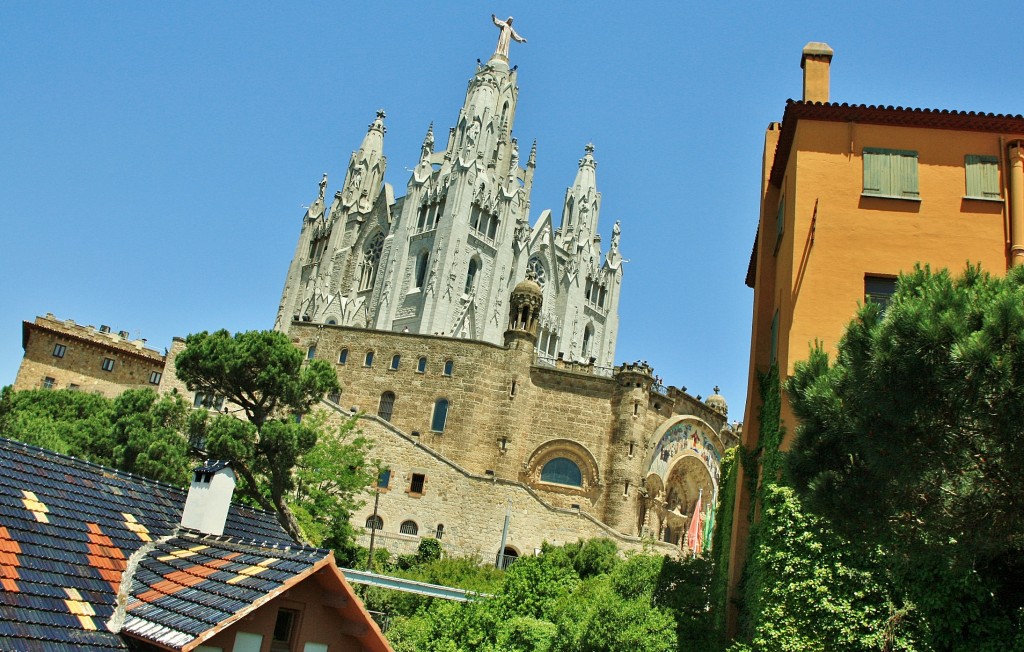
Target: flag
695,535
709,527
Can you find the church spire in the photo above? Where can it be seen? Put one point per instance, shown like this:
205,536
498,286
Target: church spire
366,169
582,204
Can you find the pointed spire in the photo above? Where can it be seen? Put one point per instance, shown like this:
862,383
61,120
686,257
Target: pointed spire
532,161
428,143
374,139
366,169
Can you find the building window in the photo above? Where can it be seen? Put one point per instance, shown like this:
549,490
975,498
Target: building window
440,531
108,364
154,377
59,350
588,336
562,471
343,356
409,527
421,365
208,401
421,269
368,360
311,352
890,173
775,338
73,387
879,289
417,482
396,359
474,267
534,265
374,522
284,627
334,397
371,256
48,383
982,177
780,223
386,406
384,479
437,423
448,365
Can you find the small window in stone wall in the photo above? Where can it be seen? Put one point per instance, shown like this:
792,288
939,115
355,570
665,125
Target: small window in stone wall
154,377
386,406
368,360
48,383
59,350
107,364
395,361
374,522
384,479
343,356
440,531
417,483
440,418
311,352
409,527
448,366
421,366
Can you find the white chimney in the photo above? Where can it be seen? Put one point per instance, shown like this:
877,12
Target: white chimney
209,497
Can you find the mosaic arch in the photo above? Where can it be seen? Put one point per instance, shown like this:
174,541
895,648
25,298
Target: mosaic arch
685,464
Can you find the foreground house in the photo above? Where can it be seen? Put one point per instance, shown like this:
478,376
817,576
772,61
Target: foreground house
95,559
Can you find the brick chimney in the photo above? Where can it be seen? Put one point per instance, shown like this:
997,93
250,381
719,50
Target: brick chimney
209,497
816,59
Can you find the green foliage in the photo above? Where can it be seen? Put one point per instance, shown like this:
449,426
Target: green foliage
721,540
278,459
137,432
577,597
260,371
919,423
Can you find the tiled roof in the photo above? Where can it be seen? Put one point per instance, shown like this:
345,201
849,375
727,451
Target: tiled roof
68,529
885,115
190,584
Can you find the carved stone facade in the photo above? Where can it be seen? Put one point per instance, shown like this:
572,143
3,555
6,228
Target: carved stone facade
442,259
486,394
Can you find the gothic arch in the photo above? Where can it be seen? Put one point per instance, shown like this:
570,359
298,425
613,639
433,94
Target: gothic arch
684,436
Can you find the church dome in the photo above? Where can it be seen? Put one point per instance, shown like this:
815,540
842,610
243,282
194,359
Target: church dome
717,403
528,286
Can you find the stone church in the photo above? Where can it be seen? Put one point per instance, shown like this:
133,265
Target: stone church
443,258
478,349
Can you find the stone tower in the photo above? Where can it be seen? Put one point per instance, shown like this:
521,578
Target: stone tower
442,259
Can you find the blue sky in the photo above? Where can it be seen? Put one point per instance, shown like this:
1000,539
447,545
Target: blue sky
155,157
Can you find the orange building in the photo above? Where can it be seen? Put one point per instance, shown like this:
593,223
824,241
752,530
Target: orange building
853,195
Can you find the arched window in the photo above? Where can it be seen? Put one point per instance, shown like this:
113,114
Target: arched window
368,360
371,256
562,471
507,556
332,321
409,527
440,531
387,405
421,269
588,336
396,359
448,365
474,266
437,423
492,227
343,356
374,522
421,365
311,352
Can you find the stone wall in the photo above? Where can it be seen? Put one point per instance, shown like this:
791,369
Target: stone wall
66,355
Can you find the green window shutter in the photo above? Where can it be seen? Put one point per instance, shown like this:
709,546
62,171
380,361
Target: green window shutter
982,176
876,172
775,338
905,174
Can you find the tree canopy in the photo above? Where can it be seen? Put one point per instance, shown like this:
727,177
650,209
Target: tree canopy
913,438
264,374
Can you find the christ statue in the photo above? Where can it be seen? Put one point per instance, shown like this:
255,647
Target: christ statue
506,33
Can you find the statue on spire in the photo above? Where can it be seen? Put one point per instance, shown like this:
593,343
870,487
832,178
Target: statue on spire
507,34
